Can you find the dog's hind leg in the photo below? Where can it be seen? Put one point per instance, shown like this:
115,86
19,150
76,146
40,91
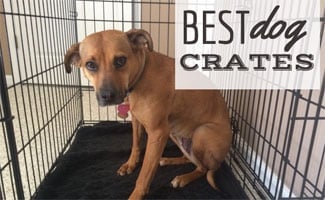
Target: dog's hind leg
211,143
182,180
175,160
209,146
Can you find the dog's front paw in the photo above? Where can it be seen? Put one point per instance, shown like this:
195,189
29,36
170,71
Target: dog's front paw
126,168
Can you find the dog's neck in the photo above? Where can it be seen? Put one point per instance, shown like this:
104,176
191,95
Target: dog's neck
138,75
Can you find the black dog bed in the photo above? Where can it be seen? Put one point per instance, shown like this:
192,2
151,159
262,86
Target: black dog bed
88,171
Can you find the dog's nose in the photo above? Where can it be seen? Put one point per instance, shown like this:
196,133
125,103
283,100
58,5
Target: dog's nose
107,95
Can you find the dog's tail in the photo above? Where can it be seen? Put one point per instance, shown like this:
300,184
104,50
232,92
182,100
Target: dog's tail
210,179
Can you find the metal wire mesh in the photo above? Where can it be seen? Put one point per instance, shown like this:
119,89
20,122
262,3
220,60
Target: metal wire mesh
278,148
45,103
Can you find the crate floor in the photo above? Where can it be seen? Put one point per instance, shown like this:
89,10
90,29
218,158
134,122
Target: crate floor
88,171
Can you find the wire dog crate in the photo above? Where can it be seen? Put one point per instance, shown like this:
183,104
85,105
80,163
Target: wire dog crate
279,144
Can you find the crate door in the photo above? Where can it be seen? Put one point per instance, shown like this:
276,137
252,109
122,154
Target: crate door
38,37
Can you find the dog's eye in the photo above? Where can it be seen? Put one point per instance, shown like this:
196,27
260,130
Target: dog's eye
91,66
119,61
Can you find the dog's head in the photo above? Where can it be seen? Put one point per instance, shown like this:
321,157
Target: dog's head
111,60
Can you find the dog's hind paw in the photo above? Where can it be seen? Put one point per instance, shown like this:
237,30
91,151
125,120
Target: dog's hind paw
179,182
163,161
182,180
126,168
173,161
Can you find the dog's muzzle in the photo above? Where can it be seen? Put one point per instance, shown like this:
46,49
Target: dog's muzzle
109,97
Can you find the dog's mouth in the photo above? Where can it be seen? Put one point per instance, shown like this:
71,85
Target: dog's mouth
103,103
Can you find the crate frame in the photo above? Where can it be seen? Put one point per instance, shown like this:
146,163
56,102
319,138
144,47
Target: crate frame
69,110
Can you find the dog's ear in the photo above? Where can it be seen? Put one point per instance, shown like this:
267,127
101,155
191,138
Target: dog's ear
140,39
72,57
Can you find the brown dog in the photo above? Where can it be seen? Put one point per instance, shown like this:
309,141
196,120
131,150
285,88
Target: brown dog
124,65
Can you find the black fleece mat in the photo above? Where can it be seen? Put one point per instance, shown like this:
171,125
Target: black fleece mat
88,171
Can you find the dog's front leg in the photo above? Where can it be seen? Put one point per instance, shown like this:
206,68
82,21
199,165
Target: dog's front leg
129,166
156,143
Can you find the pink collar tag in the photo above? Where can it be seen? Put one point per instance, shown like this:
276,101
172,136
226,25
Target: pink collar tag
123,110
